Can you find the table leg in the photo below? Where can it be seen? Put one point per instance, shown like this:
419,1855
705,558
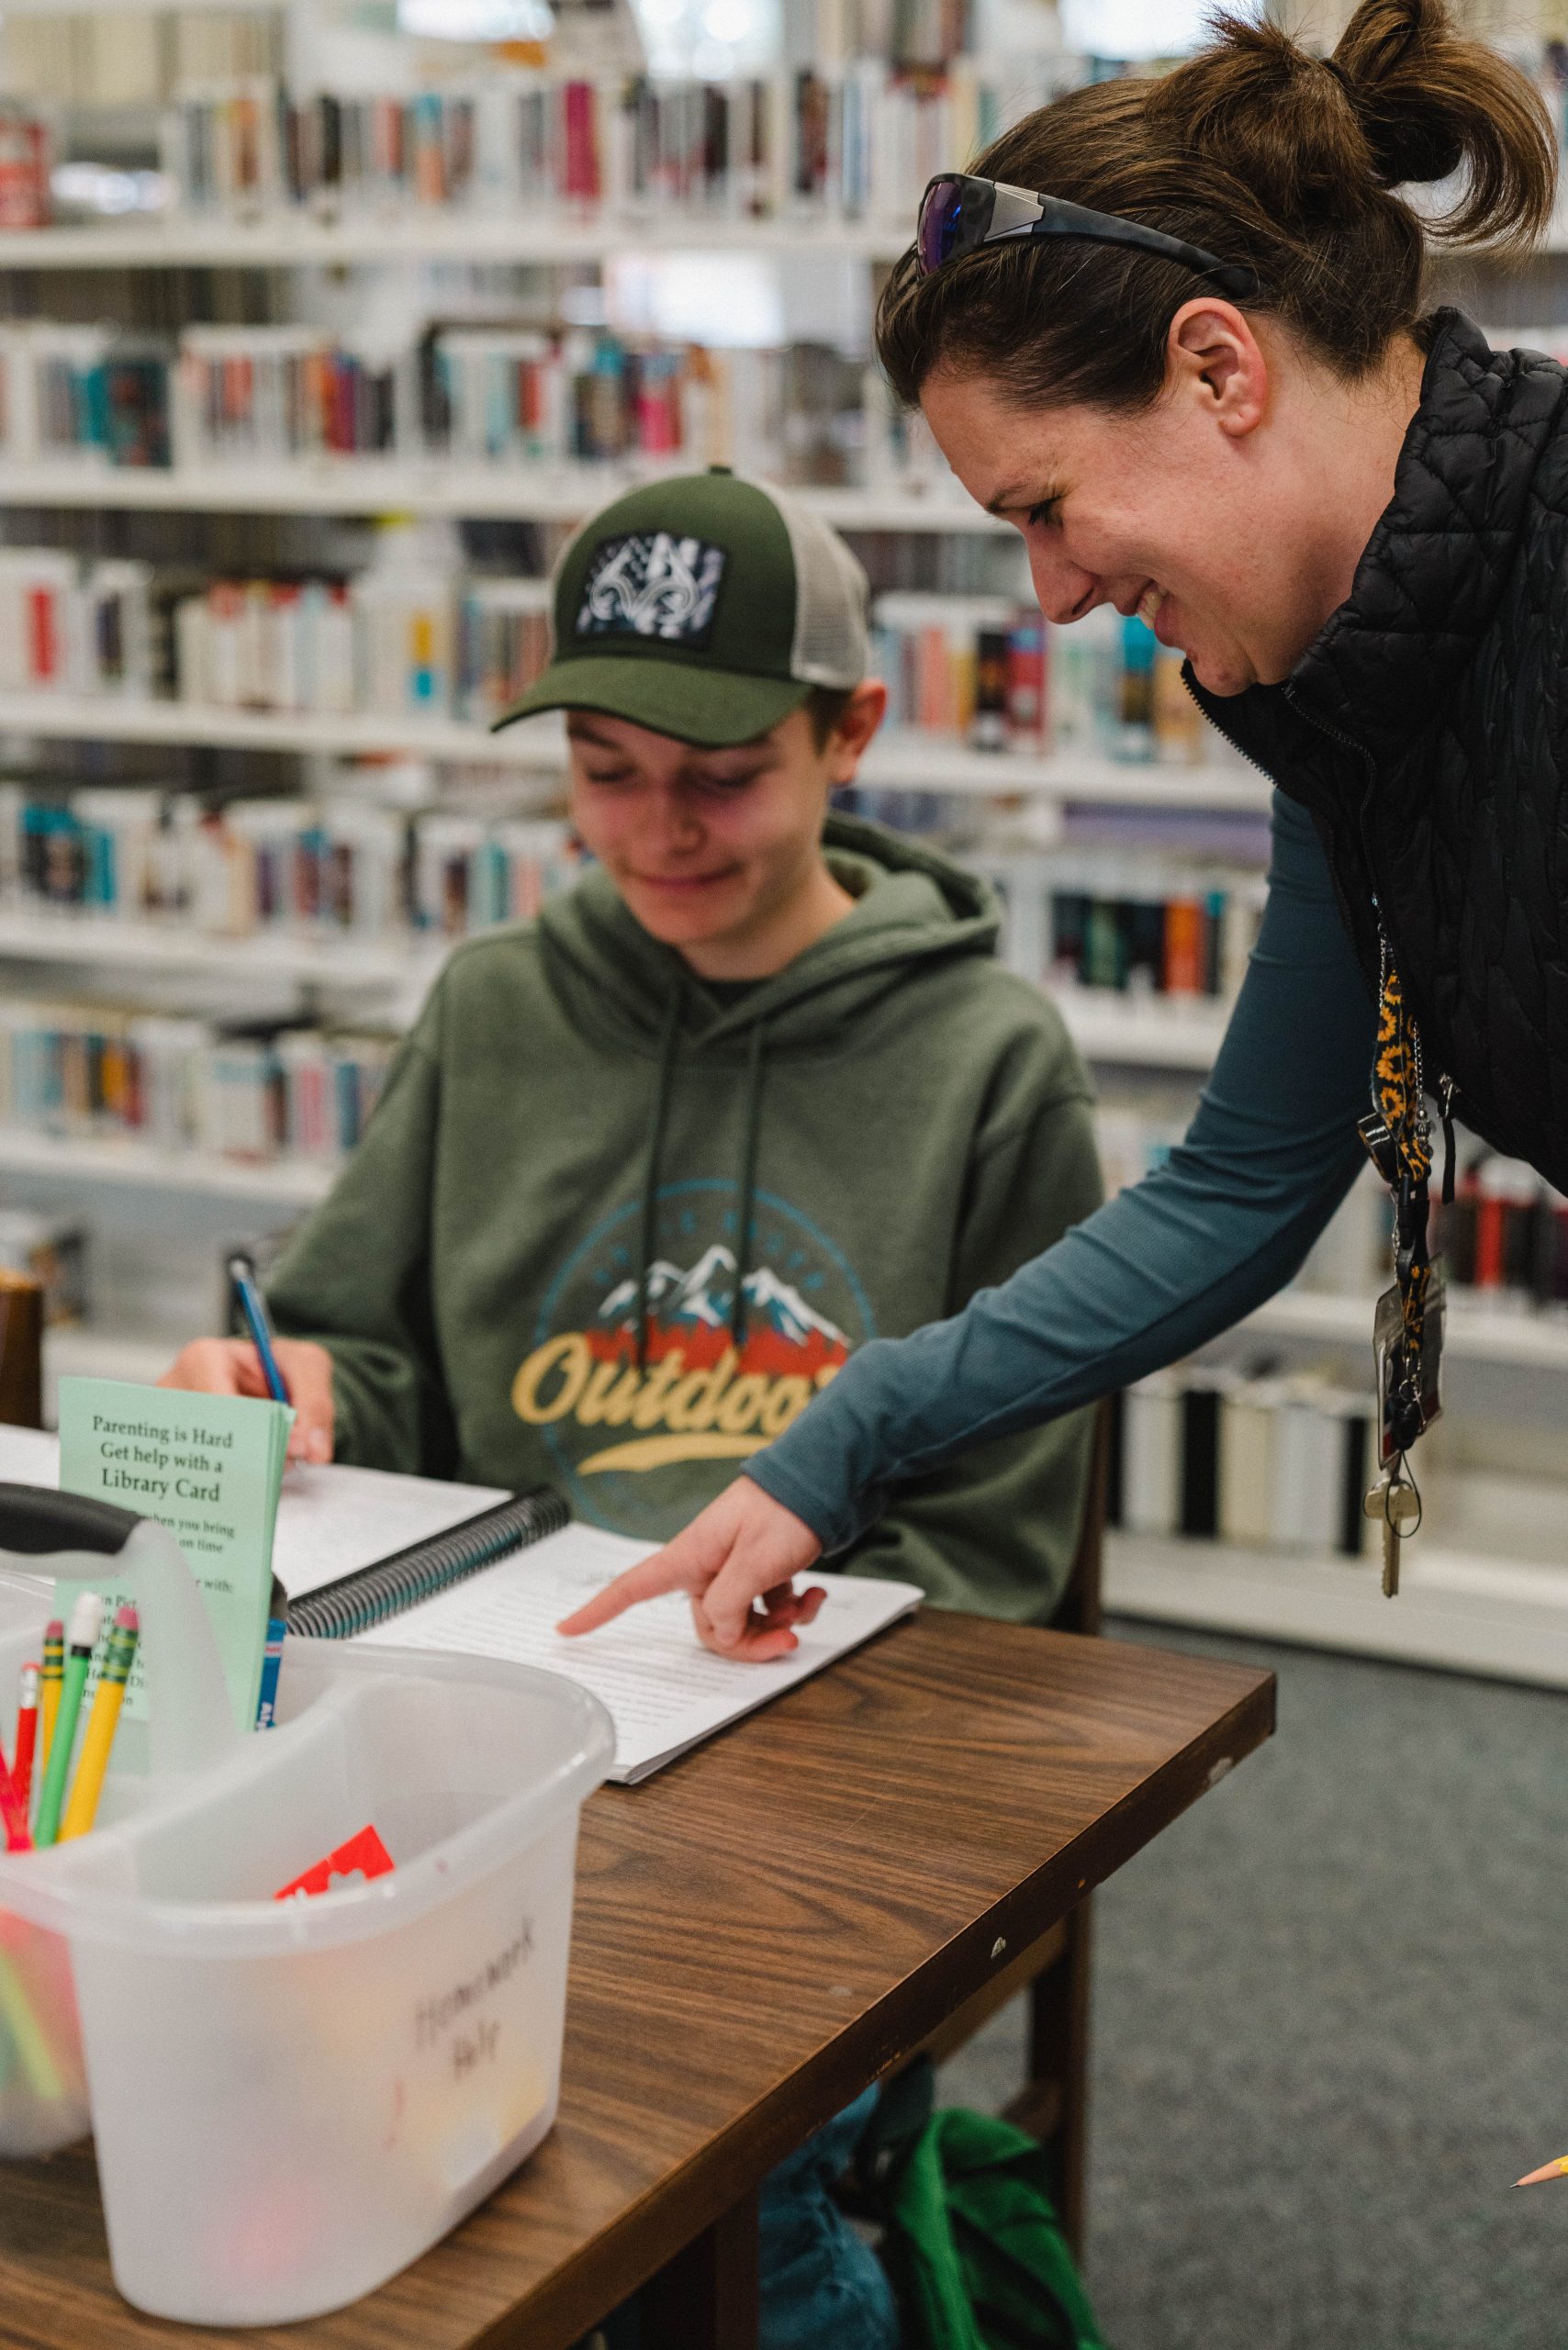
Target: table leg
1059,2054
705,2299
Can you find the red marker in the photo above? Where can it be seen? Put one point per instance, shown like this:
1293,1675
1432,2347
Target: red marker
27,1734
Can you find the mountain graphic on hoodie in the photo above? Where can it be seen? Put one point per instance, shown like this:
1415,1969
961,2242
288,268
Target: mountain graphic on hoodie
687,1305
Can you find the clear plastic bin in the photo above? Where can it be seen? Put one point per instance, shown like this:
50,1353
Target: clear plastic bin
293,2099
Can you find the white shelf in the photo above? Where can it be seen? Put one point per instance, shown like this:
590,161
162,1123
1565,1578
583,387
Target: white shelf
1456,1609
1144,1038
1473,1331
377,485
102,941
142,8
536,743
88,1352
284,239
1152,1036
907,761
925,763
113,1160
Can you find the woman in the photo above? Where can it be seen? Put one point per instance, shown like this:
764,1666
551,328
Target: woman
1353,519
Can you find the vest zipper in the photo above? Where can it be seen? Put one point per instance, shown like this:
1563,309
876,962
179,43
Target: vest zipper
1446,1086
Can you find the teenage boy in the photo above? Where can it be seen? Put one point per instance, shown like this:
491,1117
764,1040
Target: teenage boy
754,1092
649,1169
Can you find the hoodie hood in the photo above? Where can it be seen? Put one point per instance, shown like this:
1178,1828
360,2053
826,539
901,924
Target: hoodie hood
912,906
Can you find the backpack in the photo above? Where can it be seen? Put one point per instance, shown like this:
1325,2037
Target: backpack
972,2240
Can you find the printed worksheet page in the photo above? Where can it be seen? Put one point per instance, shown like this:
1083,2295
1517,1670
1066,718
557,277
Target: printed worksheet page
663,1692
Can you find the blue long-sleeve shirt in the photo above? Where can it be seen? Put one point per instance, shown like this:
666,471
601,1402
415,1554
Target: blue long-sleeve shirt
1169,1262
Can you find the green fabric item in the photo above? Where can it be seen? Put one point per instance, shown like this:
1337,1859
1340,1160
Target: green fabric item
978,2258
704,607
848,1151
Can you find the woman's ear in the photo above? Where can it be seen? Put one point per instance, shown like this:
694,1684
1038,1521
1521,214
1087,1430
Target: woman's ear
1213,356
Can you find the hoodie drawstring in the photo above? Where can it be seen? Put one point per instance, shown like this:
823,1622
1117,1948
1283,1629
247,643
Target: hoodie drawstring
651,1173
753,1075
746,1217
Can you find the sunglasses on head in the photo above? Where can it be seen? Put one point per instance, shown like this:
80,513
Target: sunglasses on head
959,214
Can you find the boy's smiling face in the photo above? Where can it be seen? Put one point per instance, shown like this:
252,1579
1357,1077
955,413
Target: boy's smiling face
718,853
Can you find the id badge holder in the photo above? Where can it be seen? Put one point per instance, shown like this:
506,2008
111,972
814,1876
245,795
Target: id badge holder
1405,1407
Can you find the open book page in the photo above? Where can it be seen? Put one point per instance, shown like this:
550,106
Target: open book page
663,1692
334,1520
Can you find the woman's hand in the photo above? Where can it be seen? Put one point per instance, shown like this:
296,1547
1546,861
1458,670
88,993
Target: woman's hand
737,1561
232,1367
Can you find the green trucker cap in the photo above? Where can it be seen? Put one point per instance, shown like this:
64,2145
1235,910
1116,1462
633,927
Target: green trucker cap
703,605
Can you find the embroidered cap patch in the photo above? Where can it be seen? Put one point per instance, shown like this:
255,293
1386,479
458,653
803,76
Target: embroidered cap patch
652,585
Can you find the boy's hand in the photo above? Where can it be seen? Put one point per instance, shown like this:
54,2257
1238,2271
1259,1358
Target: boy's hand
232,1367
737,1558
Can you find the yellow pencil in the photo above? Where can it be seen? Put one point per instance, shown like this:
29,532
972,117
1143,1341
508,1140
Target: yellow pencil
49,1689
1547,2170
88,1785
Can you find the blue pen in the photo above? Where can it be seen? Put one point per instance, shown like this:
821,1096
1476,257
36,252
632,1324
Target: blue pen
258,1321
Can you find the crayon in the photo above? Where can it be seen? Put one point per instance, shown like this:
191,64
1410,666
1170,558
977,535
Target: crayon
27,1734
48,1685
102,1722
86,1617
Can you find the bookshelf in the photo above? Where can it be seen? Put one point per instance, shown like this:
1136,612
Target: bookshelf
106,944
1473,1332
369,486
1462,1608
278,1183
291,239
909,761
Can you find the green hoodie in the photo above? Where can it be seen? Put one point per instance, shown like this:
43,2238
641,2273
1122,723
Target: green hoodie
576,1121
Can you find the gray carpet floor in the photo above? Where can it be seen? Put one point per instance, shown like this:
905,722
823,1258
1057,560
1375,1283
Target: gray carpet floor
1330,2030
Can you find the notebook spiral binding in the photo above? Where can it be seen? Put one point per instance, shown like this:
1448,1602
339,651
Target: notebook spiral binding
341,1609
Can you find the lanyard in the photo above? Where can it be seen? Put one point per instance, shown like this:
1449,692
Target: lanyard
1399,1139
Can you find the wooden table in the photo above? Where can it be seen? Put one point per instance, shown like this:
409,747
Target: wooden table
761,1931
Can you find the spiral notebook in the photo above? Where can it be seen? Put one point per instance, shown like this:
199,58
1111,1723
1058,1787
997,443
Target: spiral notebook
418,1563
354,1546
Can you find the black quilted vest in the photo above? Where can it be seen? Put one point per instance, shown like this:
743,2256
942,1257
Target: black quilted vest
1426,729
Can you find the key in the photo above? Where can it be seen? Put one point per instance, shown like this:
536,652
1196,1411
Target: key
1394,1502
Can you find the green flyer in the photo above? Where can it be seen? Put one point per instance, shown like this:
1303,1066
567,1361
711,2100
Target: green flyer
208,1467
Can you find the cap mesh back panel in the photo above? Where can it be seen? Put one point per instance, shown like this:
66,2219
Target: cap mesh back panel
831,646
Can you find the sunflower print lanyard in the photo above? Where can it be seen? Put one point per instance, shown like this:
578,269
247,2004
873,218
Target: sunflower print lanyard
1408,1331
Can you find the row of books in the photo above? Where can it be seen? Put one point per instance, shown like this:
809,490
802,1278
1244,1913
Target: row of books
1503,1238
1266,1461
395,639
856,142
344,865
73,627
992,672
390,642
477,397
1124,925
246,1091
123,57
